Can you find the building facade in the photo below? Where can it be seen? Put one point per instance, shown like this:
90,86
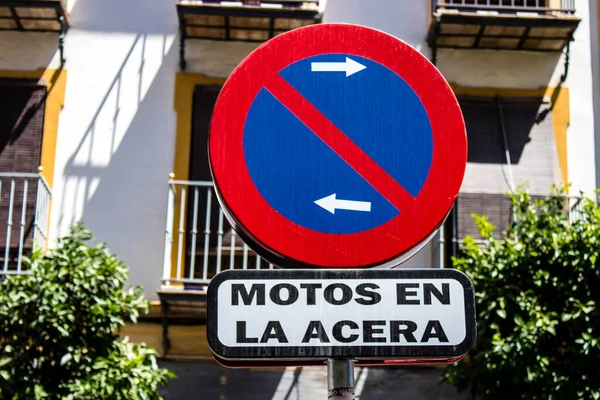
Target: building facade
107,106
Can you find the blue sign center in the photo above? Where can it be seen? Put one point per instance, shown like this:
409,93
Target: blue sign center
303,179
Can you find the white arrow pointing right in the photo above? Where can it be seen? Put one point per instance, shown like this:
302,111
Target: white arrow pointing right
331,203
349,66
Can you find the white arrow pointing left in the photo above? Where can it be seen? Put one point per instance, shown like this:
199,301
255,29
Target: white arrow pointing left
331,203
349,66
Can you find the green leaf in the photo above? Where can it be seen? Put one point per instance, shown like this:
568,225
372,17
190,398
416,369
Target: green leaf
54,324
4,361
542,273
66,358
5,375
39,391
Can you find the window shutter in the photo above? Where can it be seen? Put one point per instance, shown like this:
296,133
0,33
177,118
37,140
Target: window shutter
21,127
496,207
205,98
530,136
530,139
527,124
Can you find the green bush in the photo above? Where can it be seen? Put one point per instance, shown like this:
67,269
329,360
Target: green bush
59,328
537,316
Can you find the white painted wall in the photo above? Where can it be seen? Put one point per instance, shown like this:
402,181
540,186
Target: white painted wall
595,54
117,129
500,69
116,135
580,138
405,19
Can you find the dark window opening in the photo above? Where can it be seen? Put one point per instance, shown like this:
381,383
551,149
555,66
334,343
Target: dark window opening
489,119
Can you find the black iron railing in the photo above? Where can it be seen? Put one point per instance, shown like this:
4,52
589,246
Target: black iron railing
507,6
284,3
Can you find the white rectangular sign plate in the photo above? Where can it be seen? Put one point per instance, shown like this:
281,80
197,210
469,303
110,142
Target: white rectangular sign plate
416,314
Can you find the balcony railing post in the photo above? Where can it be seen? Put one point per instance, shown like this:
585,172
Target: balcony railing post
9,223
41,212
232,250
22,225
194,233
168,235
220,241
46,211
207,234
245,257
181,231
37,213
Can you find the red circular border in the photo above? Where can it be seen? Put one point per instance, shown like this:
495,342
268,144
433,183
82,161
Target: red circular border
258,219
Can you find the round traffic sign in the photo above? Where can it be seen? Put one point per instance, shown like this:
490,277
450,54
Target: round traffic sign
336,145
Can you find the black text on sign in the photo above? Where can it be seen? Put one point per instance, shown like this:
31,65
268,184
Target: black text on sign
371,314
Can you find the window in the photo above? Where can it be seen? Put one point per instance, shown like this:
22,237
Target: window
21,130
204,101
511,142
21,126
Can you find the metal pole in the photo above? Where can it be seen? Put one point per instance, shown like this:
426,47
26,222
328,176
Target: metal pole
340,379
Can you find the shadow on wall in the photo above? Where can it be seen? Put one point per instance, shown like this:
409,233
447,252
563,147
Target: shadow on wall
496,125
500,69
124,201
137,16
13,58
211,381
115,178
401,18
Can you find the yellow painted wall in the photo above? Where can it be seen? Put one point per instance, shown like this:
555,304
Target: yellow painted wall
183,105
187,341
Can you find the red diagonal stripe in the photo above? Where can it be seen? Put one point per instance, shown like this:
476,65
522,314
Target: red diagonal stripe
341,144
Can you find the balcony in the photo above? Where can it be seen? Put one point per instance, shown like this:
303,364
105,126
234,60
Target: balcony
36,16
24,215
33,15
526,25
199,242
246,20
